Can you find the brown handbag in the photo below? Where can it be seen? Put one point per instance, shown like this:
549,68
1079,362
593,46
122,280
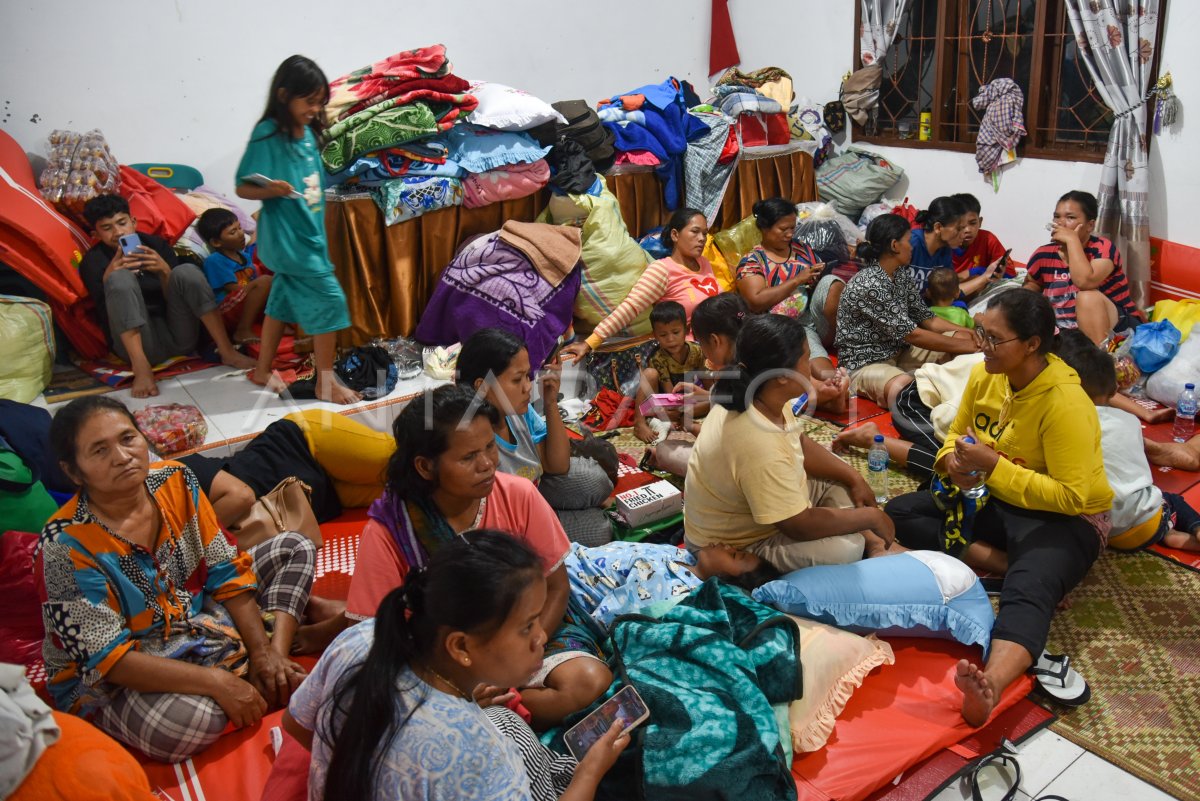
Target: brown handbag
285,508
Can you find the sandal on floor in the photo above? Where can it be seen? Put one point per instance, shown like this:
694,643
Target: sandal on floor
998,761
1058,681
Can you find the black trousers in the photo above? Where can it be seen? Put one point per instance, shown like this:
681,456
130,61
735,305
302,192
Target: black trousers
912,421
1048,555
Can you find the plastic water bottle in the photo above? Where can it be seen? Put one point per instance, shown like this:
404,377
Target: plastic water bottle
1185,414
877,470
976,491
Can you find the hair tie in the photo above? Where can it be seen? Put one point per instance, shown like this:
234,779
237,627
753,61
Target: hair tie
741,315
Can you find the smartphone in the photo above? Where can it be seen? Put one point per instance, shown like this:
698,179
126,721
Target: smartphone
130,243
258,179
1006,258
626,706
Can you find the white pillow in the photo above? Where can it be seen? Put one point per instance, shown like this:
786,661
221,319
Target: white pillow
509,109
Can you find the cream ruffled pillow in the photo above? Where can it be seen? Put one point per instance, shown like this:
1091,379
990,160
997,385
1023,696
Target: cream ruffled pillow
834,664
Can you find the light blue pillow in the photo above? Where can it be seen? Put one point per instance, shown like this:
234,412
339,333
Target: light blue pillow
914,594
477,149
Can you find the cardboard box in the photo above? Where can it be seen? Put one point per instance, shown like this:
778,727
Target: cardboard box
649,503
660,400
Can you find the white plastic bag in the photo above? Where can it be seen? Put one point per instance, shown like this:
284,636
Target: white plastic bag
1166,385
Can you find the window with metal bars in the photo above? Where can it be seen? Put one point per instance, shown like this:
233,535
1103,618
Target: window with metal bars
946,49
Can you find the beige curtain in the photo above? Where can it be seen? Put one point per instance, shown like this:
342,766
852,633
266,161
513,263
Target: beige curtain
1116,40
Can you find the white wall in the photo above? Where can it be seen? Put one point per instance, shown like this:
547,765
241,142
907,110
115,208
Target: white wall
186,80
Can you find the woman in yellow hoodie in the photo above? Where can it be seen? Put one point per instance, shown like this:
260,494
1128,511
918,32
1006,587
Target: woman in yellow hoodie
1046,520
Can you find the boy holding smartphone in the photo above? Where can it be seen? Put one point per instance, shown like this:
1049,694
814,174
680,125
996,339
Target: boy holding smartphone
979,247
150,306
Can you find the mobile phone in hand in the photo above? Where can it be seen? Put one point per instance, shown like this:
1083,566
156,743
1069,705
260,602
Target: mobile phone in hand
626,706
130,243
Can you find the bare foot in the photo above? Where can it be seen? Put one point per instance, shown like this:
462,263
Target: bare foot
860,437
1180,455
313,638
890,550
1182,541
643,431
144,386
272,382
241,361
320,609
335,391
832,396
978,696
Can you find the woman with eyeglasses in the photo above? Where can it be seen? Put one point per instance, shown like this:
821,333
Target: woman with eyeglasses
884,329
1046,518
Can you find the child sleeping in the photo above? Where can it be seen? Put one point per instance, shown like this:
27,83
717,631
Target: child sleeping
624,577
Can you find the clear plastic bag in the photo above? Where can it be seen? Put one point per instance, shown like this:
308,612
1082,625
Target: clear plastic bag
1128,373
78,168
172,427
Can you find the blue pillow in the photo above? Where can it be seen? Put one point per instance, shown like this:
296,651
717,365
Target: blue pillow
914,594
477,149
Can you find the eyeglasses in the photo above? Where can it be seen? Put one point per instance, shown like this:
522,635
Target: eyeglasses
988,342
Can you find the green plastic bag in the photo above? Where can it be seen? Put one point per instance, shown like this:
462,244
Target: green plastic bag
26,347
25,505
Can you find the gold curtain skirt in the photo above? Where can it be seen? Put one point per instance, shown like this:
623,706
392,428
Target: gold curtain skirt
389,272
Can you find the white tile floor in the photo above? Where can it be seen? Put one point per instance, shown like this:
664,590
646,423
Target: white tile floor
233,407
1052,765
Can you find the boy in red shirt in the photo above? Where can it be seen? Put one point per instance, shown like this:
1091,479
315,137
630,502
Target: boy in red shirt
979,247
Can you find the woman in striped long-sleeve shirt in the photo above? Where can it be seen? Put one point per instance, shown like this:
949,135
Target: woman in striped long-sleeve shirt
685,277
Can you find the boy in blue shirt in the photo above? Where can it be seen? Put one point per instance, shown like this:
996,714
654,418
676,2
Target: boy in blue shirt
241,292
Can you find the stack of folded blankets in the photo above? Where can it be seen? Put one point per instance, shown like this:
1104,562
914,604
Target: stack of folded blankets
651,125
759,101
420,138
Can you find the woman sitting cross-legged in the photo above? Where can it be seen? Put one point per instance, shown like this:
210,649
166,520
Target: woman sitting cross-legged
441,481
755,481
391,712
777,276
495,363
154,621
1046,520
884,329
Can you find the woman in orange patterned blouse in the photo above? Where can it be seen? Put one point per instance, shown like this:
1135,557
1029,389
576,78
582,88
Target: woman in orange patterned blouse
154,629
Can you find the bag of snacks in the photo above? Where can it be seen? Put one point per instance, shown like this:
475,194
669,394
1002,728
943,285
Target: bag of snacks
172,427
79,167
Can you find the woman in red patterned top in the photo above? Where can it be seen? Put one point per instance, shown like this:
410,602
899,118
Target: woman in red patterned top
1081,274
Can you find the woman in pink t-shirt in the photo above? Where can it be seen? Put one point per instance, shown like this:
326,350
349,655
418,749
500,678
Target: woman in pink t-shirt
685,277
442,481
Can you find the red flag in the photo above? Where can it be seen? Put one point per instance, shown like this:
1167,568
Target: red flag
722,49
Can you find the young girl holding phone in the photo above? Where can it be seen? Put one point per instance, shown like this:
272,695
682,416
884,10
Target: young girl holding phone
291,230
394,692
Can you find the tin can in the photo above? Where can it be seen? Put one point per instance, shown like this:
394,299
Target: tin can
925,129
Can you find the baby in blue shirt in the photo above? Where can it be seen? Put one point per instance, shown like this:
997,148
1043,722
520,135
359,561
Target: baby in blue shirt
241,292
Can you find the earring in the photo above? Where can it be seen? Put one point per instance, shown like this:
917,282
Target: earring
466,661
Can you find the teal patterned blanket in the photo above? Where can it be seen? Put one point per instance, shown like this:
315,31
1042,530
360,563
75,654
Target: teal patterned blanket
709,670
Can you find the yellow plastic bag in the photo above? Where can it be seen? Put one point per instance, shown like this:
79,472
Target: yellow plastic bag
721,269
1183,314
26,347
